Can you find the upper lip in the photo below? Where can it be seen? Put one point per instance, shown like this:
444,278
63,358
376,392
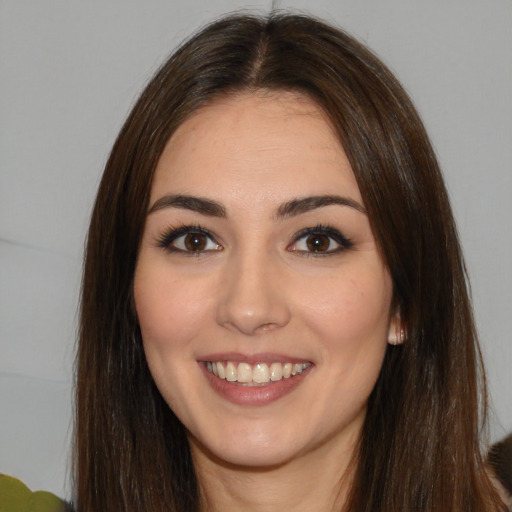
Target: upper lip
265,357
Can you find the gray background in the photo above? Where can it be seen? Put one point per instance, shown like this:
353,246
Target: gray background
70,70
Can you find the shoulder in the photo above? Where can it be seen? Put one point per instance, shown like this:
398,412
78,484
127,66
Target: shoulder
15,496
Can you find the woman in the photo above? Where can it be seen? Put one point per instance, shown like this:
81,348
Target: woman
274,310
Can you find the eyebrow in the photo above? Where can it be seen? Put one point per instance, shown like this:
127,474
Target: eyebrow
195,204
307,204
291,208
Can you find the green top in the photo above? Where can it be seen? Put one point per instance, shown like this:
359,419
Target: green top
15,496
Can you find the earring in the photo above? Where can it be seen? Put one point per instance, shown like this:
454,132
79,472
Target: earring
397,337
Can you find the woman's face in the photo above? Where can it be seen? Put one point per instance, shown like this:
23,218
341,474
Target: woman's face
263,302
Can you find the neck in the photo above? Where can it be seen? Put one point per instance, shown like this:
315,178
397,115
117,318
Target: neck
317,482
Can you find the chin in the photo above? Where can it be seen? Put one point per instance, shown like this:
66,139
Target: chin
256,450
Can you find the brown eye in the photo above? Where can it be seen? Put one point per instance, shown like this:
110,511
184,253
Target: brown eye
195,241
189,240
318,243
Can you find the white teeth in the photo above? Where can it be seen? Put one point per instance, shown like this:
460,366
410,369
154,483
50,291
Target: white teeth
244,373
296,368
258,374
276,371
220,371
231,372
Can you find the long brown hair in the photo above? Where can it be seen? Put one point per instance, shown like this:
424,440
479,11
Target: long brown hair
420,446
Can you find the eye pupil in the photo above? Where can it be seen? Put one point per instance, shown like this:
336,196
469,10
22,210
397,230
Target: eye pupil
318,243
195,242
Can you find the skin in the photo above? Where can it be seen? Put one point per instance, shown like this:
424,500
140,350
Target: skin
257,289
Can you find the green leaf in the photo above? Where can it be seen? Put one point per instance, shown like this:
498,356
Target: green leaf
15,496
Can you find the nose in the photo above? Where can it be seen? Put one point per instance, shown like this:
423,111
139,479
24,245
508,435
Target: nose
253,296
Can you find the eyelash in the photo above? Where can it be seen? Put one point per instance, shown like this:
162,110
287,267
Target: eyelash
327,231
166,240
172,234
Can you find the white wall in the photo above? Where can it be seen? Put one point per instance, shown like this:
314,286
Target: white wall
69,72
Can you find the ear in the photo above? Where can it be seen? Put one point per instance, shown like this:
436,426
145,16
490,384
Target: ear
396,334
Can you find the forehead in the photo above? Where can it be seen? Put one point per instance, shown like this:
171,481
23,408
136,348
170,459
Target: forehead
259,145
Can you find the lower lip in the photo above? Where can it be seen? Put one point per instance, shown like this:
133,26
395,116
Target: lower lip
254,395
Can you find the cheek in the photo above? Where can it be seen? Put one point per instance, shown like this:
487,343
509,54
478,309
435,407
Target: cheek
351,310
351,319
169,313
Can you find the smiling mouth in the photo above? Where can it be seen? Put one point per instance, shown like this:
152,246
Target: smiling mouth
259,374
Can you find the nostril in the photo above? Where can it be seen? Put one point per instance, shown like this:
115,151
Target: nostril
266,327
248,327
